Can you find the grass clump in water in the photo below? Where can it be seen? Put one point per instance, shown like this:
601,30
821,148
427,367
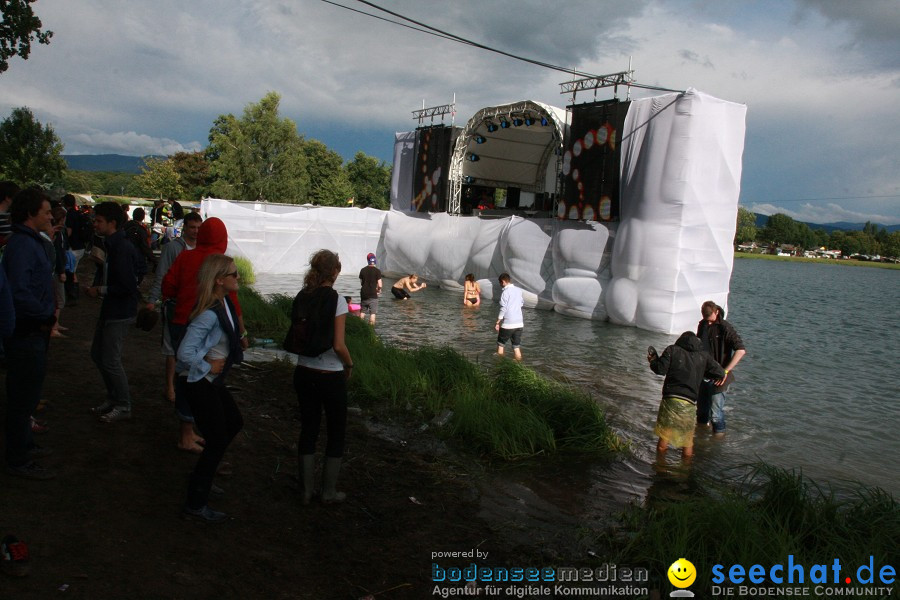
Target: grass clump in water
769,514
263,317
507,411
245,269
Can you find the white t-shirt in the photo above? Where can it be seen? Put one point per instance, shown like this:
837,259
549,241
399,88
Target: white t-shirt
328,360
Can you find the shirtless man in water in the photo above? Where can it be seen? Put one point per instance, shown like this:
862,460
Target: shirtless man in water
399,289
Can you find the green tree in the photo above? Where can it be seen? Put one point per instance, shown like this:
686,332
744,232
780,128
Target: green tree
326,177
228,156
870,228
746,226
804,236
334,191
847,244
30,152
780,229
193,172
259,156
76,181
821,237
159,179
891,245
19,27
371,181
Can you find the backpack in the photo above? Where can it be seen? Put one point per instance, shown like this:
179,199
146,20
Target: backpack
312,322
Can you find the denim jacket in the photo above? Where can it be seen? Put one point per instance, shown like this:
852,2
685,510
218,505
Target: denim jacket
203,333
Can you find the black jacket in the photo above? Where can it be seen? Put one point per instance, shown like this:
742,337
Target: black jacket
721,340
685,364
124,265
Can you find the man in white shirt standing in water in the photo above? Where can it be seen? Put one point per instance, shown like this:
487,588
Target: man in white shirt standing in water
510,321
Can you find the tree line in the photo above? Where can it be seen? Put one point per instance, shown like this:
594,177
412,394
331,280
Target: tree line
257,156
781,229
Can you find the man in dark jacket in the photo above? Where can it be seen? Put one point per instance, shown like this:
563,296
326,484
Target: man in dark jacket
137,234
30,275
684,364
117,283
722,341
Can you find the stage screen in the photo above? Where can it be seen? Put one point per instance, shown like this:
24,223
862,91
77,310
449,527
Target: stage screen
591,162
433,148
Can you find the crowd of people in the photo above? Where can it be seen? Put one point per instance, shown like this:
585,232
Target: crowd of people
194,290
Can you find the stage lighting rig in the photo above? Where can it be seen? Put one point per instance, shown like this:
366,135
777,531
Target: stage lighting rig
480,139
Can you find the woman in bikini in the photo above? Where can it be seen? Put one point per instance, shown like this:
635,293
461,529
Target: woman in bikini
472,292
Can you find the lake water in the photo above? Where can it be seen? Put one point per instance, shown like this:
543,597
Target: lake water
818,390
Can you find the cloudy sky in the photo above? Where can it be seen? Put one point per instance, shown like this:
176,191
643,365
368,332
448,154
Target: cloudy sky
821,78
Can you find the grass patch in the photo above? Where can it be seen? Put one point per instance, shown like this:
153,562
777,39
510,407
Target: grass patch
263,318
762,518
245,268
818,261
505,410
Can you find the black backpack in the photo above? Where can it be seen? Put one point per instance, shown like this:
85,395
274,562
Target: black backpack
312,322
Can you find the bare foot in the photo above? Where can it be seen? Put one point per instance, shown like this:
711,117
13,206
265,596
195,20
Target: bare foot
194,447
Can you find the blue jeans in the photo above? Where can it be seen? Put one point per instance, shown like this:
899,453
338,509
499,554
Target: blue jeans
711,406
26,363
106,352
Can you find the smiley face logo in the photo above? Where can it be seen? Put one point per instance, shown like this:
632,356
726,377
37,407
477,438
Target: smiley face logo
682,573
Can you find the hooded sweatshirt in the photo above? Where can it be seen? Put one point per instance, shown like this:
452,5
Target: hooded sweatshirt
180,283
685,364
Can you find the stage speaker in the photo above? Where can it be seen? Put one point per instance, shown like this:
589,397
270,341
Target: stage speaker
512,197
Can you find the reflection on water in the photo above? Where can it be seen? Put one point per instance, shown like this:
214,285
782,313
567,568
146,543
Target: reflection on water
818,390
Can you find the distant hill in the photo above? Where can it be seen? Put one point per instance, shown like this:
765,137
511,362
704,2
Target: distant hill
115,163
829,227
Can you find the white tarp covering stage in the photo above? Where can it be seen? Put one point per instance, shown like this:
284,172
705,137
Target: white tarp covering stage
671,250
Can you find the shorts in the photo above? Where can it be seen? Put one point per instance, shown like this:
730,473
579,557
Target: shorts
369,305
506,335
400,293
675,421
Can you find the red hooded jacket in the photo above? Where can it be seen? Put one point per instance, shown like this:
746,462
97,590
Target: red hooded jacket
180,281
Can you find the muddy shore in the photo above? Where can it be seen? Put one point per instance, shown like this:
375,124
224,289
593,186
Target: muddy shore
109,524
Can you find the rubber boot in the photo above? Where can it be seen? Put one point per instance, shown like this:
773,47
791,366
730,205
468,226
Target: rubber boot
329,481
307,468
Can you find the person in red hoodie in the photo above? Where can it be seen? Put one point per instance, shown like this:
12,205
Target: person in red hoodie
180,285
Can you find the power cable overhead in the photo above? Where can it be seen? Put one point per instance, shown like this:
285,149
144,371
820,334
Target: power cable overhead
425,28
